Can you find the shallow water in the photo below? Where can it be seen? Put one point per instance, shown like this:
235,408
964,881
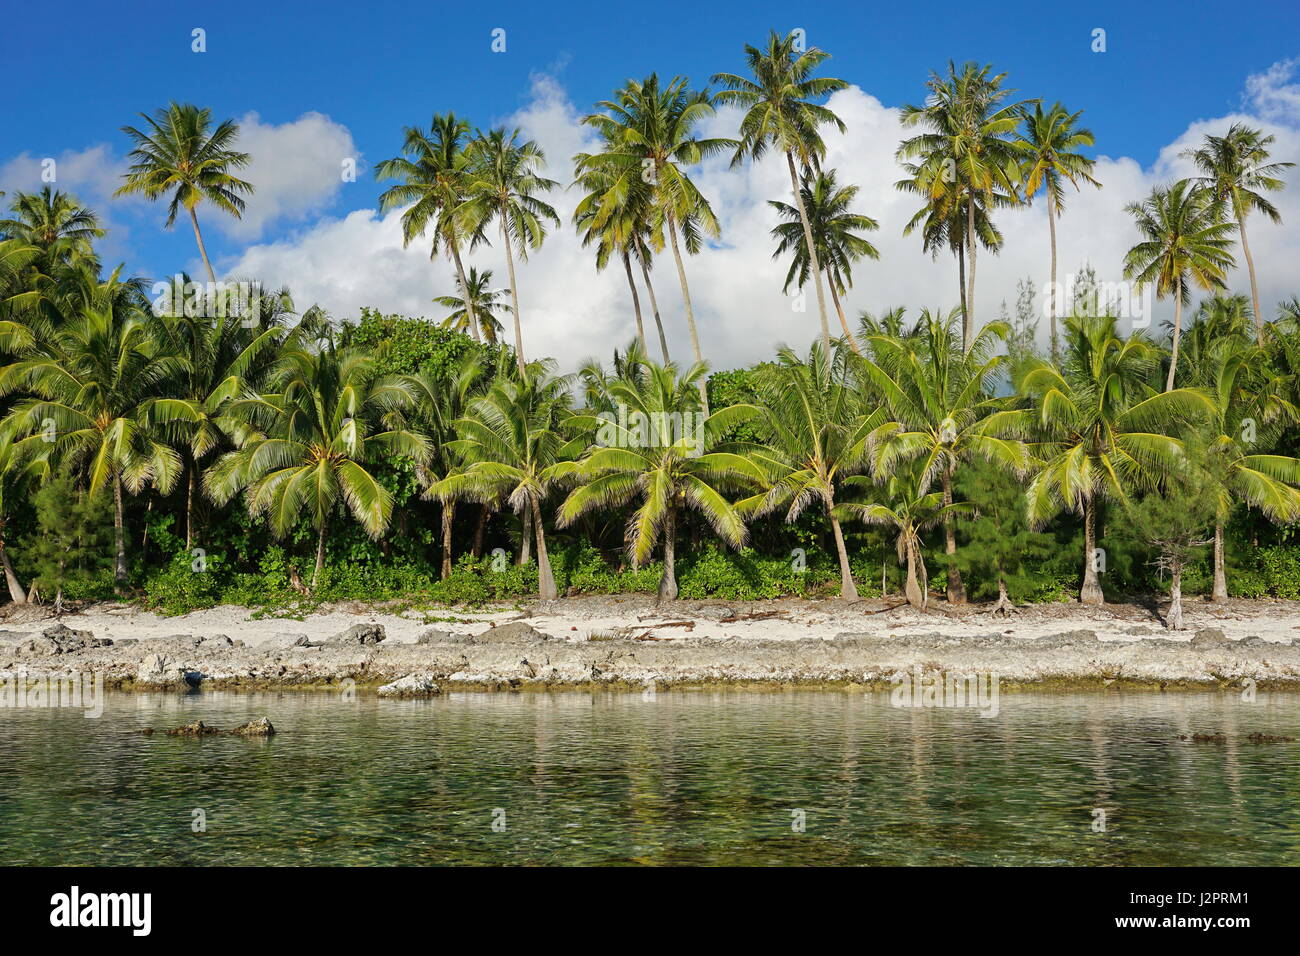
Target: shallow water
687,777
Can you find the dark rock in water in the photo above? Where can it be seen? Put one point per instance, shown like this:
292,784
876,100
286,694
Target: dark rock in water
255,728
196,729
359,635
1208,637
1269,739
516,632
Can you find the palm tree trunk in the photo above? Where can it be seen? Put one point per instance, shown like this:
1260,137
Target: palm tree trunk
476,551
1220,592
844,323
690,312
1178,332
814,264
1174,621
636,302
514,296
16,592
961,279
526,538
1250,267
545,579
465,293
912,589
189,506
203,250
119,537
1051,225
654,306
320,553
1091,592
668,580
956,590
448,519
848,588
968,327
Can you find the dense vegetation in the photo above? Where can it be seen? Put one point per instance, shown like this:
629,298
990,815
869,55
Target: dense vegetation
194,443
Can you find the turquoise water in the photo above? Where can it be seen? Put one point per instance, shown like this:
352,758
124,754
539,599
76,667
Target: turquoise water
683,778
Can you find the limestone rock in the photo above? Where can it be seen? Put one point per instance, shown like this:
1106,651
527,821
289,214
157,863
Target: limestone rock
412,685
359,635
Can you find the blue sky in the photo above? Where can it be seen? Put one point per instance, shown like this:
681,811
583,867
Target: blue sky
373,68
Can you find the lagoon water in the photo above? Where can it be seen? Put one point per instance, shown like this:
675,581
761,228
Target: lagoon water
685,777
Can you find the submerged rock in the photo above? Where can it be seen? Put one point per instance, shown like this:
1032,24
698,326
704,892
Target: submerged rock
255,728
412,685
196,729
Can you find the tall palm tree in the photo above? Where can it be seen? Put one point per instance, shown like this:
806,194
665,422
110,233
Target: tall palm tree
1049,140
180,154
967,150
819,425
935,394
834,229
503,181
307,444
435,174
513,445
91,378
1184,243
1235,168
663,454
55,223
475,310
780,113
1097,431
650,137
19,473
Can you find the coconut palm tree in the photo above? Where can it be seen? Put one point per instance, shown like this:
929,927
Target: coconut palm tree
179,154
55,223
780,113
513,445
663,454
1096,430
818,425
1184,243
475,310
1235,168
91,378
966,152
649,135
910,512
935,394
19,474
834,229
503,181
434,170
308,441
1049,140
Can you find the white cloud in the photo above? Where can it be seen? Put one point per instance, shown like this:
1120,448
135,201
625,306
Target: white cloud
296,170
571,312
1275,93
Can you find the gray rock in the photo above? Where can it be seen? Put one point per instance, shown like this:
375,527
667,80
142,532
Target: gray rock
359,635
516,632
216,640
1209,636
412,685
61,639
434,636
255,728
285,639
14,637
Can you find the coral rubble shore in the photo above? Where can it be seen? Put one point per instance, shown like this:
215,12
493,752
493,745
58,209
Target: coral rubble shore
576,645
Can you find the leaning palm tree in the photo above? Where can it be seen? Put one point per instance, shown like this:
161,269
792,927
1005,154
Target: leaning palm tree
180,154
475,310
818,425
513,446
1235,168
19,474
967,150
780,114
309,441
434,170
1050,140
834,230
55,223
91,379
1096,430
503,181
662,454
649,132
1185,242
934,395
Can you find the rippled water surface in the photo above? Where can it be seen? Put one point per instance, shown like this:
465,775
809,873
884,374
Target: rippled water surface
686,777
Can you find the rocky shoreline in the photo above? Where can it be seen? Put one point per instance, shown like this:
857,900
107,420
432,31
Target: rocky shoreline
518,656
